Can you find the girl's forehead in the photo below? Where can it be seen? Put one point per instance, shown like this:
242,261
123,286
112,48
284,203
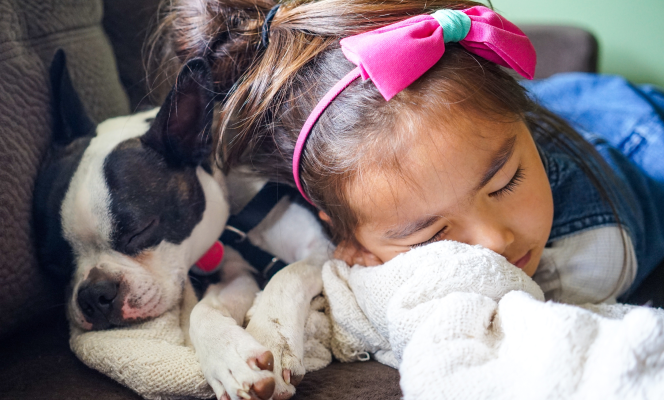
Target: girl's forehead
441,163
466,147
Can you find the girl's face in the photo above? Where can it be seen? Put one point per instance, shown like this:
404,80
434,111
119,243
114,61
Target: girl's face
482,184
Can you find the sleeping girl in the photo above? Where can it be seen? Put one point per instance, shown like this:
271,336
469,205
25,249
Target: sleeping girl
400,122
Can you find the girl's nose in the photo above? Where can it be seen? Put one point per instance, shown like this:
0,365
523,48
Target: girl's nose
493,235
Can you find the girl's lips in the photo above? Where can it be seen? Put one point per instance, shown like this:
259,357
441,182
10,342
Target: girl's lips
521,262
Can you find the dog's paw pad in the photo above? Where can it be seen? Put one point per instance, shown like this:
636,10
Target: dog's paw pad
265,361
264,388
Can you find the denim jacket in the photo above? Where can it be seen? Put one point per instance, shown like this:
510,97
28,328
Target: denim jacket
624,123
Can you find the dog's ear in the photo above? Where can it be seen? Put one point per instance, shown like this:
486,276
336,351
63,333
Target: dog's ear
70,120
181,129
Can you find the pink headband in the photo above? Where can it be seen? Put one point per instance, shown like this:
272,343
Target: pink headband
394,56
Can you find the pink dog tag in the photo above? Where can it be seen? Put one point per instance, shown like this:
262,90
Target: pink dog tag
212,258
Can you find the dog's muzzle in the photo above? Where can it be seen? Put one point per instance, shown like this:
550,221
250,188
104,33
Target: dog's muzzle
99,298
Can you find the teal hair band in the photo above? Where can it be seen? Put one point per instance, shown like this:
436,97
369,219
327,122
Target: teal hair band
455,24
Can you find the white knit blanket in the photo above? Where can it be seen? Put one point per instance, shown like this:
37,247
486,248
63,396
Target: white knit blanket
460,322
154,360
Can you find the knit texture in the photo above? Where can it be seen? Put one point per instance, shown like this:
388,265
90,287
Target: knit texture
154,360
150,358
377,309
460,322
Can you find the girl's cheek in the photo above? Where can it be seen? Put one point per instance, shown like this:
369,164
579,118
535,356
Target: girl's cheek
345,253
370,260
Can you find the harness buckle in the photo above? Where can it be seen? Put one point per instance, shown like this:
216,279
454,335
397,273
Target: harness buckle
242,235
269,266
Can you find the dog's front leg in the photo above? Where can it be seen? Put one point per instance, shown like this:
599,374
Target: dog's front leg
233,362
278,320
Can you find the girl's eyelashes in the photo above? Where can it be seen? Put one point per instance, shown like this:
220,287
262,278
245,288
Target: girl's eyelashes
511,185
438,236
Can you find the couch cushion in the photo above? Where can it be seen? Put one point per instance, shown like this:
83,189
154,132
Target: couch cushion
37,364
30,32
562,49
128,25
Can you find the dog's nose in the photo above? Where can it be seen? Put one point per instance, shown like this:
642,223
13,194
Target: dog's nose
96,301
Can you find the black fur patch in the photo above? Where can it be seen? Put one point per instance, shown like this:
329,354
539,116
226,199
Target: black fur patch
54,252
151,200
200,283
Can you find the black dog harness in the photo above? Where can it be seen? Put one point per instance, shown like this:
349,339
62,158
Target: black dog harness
240,224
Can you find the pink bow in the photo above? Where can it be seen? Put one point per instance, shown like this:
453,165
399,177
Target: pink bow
396,55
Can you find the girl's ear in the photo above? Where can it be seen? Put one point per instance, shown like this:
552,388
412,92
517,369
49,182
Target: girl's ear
355,253
326,218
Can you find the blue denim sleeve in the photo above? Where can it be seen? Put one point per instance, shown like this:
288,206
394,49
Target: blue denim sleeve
627,116
625,123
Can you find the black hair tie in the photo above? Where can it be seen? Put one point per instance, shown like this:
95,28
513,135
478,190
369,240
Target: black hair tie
265,30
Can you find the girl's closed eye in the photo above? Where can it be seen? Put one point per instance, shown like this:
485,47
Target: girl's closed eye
517,178
511,185
438,236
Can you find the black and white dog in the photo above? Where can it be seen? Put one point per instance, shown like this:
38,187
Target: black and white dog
123,209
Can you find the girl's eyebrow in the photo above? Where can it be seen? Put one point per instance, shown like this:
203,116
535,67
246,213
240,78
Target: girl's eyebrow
502,156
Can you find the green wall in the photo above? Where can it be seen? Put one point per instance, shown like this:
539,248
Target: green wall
630,32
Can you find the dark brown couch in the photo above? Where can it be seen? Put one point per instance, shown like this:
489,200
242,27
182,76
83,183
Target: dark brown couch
104,56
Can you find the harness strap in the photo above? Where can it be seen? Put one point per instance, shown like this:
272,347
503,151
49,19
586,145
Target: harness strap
238,225
257,209
266,264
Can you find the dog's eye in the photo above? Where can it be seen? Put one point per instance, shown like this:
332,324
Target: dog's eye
141,239
142,231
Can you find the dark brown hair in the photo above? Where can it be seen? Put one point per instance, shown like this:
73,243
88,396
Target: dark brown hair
269,93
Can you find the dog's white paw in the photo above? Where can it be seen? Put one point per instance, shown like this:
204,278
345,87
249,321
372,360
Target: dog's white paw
235,365
286,343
